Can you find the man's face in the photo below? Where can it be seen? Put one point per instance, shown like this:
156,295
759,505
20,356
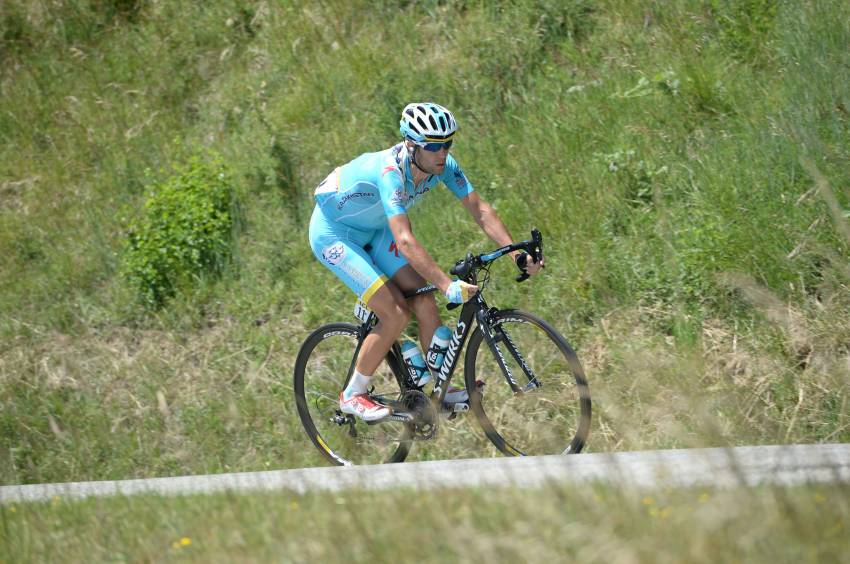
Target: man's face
432,162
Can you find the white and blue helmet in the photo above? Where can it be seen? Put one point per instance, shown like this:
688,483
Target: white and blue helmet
426,122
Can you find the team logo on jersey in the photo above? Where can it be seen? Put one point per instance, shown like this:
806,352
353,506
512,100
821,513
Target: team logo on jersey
344,200
358,277
423,190
398,197
460,179
334,254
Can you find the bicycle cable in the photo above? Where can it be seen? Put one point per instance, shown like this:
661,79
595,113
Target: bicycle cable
483,279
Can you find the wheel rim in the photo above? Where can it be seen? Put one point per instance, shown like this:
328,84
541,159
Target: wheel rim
322,366
551,419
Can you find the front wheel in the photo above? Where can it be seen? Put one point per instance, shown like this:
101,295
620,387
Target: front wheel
535,399
325,360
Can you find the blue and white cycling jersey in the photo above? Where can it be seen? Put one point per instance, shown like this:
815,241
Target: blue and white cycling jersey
349,230
376,186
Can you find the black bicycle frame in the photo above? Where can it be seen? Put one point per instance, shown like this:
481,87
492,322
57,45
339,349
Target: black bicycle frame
474,309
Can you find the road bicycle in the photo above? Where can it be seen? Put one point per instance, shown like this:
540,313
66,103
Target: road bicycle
526,385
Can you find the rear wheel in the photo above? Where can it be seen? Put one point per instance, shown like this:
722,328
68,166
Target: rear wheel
539,402
323,363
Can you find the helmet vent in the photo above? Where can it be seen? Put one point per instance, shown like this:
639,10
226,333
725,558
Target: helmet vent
420,121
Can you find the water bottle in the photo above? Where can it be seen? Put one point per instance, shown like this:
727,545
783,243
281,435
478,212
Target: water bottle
439,346
415,363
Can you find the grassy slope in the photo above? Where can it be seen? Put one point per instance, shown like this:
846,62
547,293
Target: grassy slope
660,147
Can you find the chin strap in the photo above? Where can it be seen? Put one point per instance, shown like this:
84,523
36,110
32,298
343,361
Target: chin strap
413,158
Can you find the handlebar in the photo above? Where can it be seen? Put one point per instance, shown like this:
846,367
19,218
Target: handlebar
468,266
533,247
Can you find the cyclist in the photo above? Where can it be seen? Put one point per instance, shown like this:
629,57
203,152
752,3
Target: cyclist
360,230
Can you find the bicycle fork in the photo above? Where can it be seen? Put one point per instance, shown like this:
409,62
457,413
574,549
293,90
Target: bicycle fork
494,336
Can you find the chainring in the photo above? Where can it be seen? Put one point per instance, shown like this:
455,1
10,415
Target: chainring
424,424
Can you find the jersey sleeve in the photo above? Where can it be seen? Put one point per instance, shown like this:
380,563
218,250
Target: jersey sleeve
391,189
454,178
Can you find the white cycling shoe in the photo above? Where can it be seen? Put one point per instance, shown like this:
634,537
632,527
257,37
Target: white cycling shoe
456,395
363,407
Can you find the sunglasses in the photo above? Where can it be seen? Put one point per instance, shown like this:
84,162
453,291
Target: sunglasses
434,147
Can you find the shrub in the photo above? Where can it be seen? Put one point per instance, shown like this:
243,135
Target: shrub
184,232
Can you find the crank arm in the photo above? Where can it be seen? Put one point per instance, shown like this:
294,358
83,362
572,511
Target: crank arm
400,416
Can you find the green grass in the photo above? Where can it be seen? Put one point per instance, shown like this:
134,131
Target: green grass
685,161
553,523
667,151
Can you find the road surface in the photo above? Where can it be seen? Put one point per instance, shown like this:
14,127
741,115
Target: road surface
713,467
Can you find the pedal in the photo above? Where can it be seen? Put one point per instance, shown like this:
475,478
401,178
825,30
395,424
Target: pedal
449,411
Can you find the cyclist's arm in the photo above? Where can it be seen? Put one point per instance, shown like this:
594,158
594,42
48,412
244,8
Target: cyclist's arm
391,187
486,217
415,253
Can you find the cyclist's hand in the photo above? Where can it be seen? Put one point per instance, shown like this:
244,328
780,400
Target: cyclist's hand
459,291
527,264
534,267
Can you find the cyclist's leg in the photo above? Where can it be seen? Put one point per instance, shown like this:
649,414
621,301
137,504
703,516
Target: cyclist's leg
386,255
424,307
340,249
393,316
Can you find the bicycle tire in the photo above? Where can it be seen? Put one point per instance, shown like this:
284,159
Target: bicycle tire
319,376
528,422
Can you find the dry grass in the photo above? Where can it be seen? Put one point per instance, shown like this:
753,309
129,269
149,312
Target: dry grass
552,523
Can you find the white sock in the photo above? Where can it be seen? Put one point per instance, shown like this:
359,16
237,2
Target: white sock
359,384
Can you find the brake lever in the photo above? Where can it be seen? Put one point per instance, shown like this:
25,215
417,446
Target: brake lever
462,267
537,247
522,262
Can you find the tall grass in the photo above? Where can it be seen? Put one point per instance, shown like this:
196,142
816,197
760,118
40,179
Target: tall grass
592,524
691,257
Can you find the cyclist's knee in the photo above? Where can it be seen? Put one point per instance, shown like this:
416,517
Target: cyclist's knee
401,314
389,304
424,304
